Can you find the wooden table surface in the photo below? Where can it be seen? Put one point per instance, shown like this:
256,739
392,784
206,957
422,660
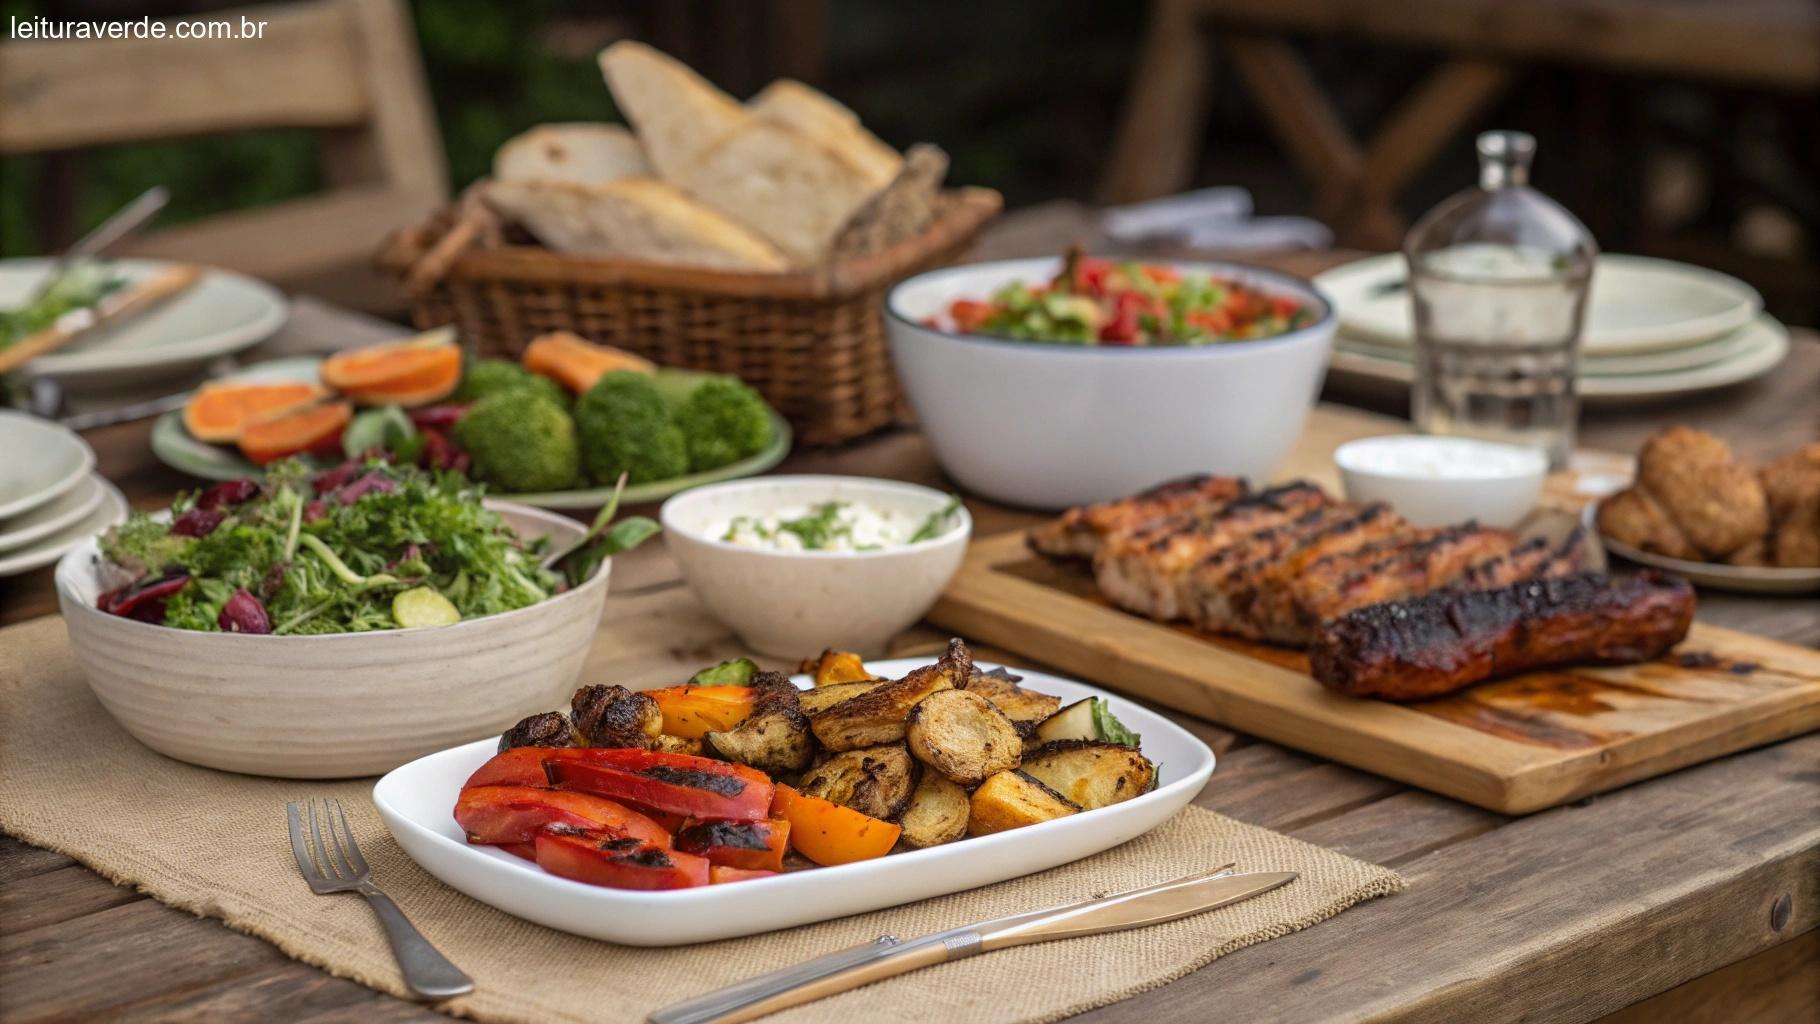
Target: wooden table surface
1690,897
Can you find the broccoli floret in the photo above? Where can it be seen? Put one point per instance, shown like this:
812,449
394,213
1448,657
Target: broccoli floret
626,428
723,421
486,377
521,441
142,544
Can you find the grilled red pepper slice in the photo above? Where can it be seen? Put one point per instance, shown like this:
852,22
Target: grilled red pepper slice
752,845
526,850
617,861
678,783
516,814
720,874
523,766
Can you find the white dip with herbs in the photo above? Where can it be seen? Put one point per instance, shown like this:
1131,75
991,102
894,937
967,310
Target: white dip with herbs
836,526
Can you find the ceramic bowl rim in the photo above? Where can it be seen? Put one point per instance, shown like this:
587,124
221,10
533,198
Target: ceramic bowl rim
1537,469
808,481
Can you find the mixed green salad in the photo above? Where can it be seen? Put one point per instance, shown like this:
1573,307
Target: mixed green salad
81,286
367,545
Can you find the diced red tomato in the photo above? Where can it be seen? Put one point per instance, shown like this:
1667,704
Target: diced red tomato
1123,328
1090,276
969,315
617,861
678,783
1161,274
754,845
515,814
1215,322
720,874
1284,306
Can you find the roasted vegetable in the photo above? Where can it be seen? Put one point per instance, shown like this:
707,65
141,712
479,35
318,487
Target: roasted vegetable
550,729
680,745
1087,719
877,716
733,672
836,667
617,861
820,699
695,711
1025,708
515,814
720,874
1091,774
827,833
876,781
775,738
1014,799
963,736
753,845
613,716
937,813
677,783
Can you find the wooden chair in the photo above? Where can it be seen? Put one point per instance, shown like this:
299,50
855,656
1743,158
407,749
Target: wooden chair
347,70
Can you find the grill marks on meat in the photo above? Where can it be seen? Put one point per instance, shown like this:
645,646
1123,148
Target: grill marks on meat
1078,532
1445,640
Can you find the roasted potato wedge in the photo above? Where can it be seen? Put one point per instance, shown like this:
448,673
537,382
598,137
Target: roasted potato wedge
877,716
1025,708
835,667
1091,774
937,813
875,781
963,736
775,737
820,699
1014,799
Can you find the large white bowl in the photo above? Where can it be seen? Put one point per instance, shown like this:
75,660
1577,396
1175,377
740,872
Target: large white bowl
1046,425
314,707
795,603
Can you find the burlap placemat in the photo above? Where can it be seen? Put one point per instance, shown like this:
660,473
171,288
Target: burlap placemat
214,844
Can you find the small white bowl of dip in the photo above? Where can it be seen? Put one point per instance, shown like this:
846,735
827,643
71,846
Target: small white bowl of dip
1436,481
796,564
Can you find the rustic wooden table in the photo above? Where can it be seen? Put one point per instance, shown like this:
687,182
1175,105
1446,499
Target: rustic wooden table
1690,897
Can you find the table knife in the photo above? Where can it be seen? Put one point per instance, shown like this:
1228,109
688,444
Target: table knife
888,956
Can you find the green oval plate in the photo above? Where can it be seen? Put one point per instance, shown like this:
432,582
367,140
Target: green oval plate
174,447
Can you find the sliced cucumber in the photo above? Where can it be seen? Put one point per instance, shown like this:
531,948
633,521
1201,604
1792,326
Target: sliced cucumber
1074,722
421,606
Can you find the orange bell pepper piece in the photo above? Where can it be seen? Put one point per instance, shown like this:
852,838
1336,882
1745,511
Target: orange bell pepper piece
827,833
720,874
692,712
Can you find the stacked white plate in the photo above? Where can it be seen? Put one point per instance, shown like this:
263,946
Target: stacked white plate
51,498
1654,328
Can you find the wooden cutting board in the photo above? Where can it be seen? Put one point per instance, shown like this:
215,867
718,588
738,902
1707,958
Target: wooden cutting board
1514,746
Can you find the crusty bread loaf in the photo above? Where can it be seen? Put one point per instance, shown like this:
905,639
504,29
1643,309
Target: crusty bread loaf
580,153
820,117
677,113
637,218
898,211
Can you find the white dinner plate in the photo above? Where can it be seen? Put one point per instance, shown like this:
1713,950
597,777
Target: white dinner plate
40,461
111,511
67,509
1705,353
1741,579
1638,304
1762,349
417,802
219,315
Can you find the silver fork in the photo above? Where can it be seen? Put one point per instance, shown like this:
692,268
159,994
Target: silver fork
427,973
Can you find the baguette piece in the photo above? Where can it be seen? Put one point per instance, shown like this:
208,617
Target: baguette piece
819,116
579,153
635,218
678,113
900,210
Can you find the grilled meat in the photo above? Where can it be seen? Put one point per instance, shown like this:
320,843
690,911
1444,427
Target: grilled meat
1257,599
1445,640
1078,532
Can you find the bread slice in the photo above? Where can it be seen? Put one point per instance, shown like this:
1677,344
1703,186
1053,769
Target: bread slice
900,211
580,153
820,117
677,113
636,218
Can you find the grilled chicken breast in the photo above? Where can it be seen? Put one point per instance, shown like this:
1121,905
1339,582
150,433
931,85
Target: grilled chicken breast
1077,533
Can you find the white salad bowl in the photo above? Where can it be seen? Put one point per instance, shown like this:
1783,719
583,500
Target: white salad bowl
418,804
312,707
1049,425
795,603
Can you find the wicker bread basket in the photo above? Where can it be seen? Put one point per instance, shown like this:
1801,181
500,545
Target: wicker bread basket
812,342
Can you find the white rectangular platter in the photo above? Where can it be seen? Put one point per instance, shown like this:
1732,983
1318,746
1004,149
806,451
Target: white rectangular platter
417,802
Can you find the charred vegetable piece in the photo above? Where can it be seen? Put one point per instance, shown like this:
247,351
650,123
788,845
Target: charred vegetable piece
695,711
1091,774
834,667
678,745
737,672
937,813
719,874
526,850
827,833
550,729
1025,708
753,845
1088,719
1014,799
617,861
676,783
963,736
876,781
613,716
515,814
877,716
814,702
775,737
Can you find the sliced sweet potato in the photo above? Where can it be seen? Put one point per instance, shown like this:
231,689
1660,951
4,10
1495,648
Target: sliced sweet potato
435,380
393,363
576,363
219,412
316,429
